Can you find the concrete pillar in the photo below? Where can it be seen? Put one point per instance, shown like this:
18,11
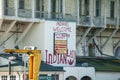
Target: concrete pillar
16,7
78,12
63,8
1,8
33,8
49,8
91,11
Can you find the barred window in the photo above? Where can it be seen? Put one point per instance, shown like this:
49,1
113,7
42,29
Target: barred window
12,77
4,77
112,9
21,4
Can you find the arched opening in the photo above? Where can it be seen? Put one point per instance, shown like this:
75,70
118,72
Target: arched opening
91,48
71,78
117,52
86,78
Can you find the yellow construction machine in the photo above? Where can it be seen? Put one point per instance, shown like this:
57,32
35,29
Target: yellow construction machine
35,57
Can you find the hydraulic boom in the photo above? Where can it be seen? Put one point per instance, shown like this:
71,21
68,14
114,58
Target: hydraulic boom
35,57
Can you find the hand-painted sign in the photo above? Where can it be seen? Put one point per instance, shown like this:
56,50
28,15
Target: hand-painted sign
60,43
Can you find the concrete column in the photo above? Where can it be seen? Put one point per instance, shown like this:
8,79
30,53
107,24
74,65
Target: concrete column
1,21
78,12
33,8
49,8
16,7
1,8
105,13
63,8
91,11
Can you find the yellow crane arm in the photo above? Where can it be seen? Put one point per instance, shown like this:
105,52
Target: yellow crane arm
35,58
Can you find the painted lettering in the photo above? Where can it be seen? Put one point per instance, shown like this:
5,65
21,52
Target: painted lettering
62,24
62,29
68,58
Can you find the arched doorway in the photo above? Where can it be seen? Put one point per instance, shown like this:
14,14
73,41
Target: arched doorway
117,52
86,78
71,78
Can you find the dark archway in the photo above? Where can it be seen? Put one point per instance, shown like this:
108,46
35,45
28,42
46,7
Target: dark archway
86,78
71,78
117,52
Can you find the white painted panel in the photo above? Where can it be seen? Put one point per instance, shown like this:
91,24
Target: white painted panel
52,27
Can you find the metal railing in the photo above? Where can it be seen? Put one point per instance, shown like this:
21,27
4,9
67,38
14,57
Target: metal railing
98,21
9,11
56,15
24,13
111,21
41,14
85,20
70,17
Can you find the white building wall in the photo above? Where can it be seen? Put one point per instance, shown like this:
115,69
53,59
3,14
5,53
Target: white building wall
1,8
108,49
71,7
35,36
10,3
28,4
107,75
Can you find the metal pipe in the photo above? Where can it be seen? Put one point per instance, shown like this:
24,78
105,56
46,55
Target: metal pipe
9,67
